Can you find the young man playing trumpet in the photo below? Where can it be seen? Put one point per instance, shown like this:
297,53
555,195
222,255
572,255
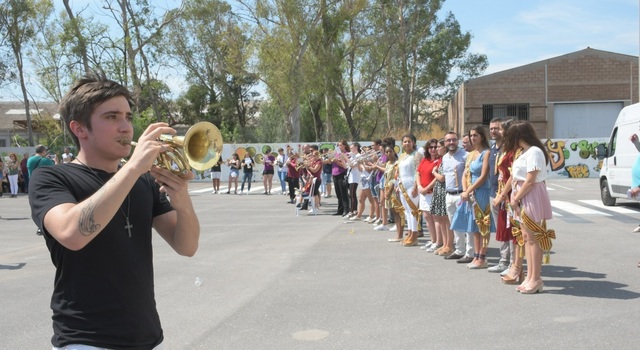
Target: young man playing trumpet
97,220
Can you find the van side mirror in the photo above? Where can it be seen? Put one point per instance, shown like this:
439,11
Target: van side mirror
601,151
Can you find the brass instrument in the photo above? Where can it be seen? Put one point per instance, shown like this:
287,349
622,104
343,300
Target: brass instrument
199,149
302,162
330,155
363,157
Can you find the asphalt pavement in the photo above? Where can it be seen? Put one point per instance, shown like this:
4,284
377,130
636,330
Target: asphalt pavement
269,279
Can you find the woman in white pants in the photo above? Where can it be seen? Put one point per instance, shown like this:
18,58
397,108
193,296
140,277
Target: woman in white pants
408,187
13,171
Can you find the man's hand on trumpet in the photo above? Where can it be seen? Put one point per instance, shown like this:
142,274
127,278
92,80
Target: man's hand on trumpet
175,186
147,148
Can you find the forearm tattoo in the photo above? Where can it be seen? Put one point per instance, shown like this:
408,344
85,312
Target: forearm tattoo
86,222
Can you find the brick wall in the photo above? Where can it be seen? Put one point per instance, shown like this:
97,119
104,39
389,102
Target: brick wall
587,75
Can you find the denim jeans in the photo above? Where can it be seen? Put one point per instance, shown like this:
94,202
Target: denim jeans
282,176
246,177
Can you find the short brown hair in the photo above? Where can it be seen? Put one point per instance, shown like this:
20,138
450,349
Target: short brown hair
85,94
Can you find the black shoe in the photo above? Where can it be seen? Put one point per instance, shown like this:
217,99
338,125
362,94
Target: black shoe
453,256
336,214
465,260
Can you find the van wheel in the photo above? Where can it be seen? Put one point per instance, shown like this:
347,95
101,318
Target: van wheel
605,195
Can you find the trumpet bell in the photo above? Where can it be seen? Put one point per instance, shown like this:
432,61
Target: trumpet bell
202,145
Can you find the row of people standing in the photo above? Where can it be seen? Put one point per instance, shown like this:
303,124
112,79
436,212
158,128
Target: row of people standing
515,200
247,166
356,168
450,181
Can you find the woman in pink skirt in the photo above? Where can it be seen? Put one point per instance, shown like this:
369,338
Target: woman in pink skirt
529,199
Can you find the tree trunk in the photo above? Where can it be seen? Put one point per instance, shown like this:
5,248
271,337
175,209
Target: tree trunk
294,120
27,110
25,96
82,46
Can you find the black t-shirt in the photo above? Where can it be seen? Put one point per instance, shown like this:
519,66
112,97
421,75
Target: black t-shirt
247,165
103,294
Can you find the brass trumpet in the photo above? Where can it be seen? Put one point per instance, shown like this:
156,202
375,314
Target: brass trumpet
302,162
330,155
364,157
199,149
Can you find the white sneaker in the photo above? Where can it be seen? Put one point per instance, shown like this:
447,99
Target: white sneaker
433,248
426,245
369,220
505,272
381,227
392,228
378,222
498,268
637,229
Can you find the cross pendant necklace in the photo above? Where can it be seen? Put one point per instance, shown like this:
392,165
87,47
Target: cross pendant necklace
128,226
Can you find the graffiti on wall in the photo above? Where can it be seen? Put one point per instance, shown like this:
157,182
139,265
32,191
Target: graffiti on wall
570,158
574,158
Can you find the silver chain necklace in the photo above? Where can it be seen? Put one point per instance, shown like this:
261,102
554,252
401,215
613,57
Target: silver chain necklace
128,226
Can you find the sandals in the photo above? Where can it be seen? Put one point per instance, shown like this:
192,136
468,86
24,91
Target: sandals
518,278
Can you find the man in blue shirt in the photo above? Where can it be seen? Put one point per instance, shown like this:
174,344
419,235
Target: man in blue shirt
453,163
39,159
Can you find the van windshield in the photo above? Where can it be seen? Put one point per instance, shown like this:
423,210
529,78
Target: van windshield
612,142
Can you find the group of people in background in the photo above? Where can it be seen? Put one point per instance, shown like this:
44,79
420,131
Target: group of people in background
247,166
463,195
15,171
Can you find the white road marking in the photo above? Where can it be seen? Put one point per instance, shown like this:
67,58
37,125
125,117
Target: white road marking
619,210
576,209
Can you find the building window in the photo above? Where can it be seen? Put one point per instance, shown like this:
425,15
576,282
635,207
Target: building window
3,143
516,111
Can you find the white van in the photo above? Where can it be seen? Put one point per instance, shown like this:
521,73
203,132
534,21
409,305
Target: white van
619,155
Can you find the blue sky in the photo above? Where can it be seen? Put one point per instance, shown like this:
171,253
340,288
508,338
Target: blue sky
514,32
517,32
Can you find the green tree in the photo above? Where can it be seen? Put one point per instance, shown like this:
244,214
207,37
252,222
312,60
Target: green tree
215,57
361,67
142,28
283,30
22,20
193,104
424,52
